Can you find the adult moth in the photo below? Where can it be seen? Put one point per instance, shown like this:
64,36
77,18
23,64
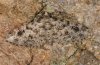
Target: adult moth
49,28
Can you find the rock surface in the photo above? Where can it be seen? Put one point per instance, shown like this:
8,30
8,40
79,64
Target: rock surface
15,14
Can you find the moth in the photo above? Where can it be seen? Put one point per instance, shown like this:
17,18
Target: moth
49,29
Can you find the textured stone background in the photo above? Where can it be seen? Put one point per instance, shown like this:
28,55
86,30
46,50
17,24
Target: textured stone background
13,13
